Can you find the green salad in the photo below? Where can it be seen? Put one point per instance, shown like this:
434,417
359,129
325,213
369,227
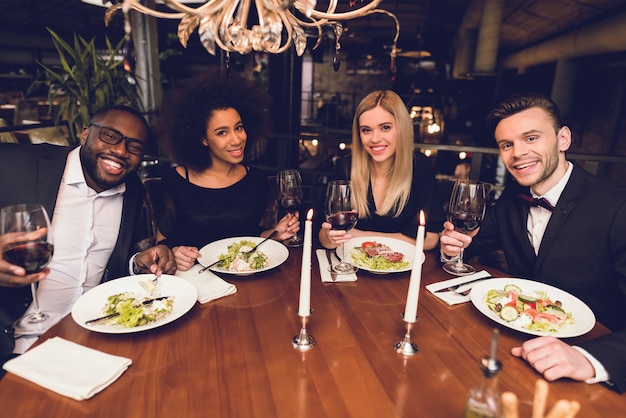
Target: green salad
376,256
238,259
132,312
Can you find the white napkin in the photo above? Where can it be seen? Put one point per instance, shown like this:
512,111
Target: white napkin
325,274
451,297
209,285
68,368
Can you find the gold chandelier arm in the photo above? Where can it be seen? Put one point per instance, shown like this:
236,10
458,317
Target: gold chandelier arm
134,4
209,7
339,16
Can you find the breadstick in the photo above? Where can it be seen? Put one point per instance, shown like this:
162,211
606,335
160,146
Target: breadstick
559,410
574,407
509,405
540,399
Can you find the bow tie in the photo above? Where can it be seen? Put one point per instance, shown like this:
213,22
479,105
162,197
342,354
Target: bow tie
533,201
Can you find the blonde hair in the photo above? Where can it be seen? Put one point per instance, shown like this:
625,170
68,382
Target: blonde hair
401,174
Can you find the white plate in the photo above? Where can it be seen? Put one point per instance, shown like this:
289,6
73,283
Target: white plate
584,319
395,244
276,254
89,305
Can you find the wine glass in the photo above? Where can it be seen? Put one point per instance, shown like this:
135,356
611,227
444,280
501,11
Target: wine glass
27,242
341,215
465,211
290,195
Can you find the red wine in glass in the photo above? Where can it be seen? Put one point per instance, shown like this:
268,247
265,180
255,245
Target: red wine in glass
290,205
463,222
33,256
343,220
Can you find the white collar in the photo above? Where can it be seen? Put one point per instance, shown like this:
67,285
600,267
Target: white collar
554,193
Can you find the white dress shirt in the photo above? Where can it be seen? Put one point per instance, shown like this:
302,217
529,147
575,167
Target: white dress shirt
85,227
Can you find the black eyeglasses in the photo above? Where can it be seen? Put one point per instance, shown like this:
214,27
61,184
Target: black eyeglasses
113,137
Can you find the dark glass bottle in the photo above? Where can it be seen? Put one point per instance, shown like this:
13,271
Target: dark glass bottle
484,398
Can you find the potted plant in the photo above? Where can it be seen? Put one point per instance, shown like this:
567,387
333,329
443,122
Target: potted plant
86,81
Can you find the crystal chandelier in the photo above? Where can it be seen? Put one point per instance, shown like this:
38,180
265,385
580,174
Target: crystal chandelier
279,23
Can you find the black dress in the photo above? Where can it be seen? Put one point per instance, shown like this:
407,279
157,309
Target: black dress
424,196
195,216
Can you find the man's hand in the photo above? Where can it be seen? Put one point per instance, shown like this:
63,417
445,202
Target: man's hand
157,260
15,276
452,241
555,359
12,275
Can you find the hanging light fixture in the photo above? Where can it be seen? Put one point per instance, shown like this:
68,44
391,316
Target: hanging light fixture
279,23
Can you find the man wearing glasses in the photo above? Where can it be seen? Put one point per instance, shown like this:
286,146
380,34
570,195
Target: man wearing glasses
95,198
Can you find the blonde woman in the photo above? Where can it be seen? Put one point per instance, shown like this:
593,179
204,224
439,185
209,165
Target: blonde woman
390,182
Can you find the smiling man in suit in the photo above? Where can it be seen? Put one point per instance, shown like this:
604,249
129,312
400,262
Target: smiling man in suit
94,198
559,225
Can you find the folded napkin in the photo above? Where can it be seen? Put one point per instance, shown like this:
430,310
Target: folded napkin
68,368
325,274
451,297
210,286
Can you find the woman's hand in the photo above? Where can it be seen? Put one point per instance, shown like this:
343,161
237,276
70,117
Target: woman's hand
333,238
287,227
185,257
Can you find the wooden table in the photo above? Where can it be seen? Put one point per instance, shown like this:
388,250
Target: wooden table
233,357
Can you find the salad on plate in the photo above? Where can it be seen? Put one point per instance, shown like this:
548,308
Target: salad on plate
533,310
131,310
239,259
378,256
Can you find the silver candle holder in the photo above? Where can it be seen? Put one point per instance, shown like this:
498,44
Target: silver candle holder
406,347
303,341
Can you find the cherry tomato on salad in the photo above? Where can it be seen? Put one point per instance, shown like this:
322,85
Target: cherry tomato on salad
368,244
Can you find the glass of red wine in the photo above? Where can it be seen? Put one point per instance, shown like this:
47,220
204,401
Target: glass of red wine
465,211
290,196
27,242
341,215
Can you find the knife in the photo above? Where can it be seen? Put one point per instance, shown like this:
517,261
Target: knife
456,286
114,314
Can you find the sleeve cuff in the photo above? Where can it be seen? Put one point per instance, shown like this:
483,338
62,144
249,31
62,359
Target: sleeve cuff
131,265
601,374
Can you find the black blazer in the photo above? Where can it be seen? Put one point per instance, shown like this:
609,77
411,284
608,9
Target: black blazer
583,252
32,174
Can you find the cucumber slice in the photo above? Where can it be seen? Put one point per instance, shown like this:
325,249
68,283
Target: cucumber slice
510,287
509,313
527,299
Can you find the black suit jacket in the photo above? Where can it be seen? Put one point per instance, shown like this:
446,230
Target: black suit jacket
32,174
583,252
